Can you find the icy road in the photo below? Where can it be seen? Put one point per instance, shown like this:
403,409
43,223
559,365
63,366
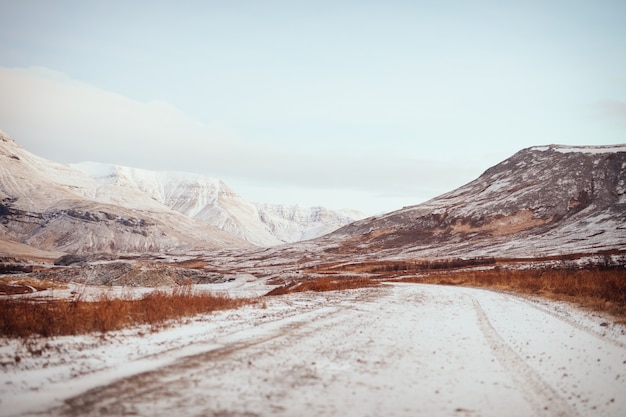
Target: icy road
397,350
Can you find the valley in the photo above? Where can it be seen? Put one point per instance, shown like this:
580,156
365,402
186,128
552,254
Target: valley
134,292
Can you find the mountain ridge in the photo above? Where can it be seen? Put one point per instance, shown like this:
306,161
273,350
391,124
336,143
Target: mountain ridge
59,208
542,200
211,200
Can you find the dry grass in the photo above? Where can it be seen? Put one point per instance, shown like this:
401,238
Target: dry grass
600,285
21,317
196,263
324,284
10,286
390,268
601,289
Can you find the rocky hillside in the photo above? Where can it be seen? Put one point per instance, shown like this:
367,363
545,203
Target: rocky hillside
549,200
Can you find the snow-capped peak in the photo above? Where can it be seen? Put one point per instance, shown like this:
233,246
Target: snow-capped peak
212,201
170,188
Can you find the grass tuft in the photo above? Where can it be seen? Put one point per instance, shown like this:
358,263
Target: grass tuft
601,289
322,284
23,317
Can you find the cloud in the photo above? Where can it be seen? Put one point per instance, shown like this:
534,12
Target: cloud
69,121
40,105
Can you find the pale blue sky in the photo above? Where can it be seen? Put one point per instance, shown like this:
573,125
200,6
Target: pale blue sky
370,105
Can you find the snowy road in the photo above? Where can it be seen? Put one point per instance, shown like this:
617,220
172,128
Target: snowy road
401,350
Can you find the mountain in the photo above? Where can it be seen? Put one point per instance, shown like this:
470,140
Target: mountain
51,206
543,201
92,207
212,201
294,223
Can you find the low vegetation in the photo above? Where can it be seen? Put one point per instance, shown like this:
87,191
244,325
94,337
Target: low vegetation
599,288
24,317
321,284
22,285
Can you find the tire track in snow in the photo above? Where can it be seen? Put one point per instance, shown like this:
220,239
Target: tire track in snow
118,398
544,399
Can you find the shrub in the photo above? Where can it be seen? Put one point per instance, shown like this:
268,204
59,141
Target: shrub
328,283
23,317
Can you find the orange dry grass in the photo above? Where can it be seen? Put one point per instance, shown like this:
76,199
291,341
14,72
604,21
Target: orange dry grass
10,286
324,284
603,289
23,317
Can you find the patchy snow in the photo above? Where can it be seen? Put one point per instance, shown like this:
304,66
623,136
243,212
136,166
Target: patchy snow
397,350
583,149
593,149
498,186
534,204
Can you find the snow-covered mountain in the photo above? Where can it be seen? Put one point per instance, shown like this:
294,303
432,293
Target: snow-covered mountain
105,208
292,223
548,200
212,201
51,206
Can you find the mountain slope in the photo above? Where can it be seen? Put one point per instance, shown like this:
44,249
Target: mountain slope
52,206
295,223
547,200
212,201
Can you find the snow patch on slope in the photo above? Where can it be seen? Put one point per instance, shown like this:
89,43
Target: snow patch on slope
582,149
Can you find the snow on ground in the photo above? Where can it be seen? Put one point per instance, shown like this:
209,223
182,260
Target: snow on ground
239,285
396,350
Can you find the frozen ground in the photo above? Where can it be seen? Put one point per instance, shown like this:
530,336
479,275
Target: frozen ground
397,350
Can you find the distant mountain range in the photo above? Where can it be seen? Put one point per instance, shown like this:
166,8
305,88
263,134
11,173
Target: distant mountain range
91,207
212,201
543,201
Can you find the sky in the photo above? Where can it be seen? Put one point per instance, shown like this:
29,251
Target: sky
368,105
